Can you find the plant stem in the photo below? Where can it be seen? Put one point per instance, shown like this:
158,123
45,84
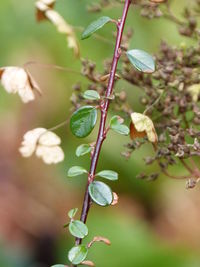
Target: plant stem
104,110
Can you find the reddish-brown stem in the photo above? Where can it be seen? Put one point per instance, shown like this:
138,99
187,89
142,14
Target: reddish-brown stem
104,110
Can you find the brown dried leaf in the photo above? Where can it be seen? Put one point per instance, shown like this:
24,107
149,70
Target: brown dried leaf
1,72
115,199
88,263
99,239
134,133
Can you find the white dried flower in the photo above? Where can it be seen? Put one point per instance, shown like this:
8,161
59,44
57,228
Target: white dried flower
44,143
17,80
45,11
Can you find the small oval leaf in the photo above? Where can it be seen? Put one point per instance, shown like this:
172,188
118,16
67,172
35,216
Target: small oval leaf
121,129
83,149
78,229
75,171
59,265
141,60
77,254
116,124
95,26
108,174
72,213
91,95
83,121
115,120
100,193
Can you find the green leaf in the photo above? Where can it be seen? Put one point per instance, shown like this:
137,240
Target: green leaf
83,121
77,254
121,129
115,120
91,95
95,26
100,193
110,175
117,126
78,229
75,171
59,265
72,213
83,149
141,60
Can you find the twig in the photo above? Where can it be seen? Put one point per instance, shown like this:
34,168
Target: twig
186,166
51,66
59,125
104,110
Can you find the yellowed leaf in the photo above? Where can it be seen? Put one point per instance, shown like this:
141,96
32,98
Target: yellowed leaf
142,125
194,91
134,133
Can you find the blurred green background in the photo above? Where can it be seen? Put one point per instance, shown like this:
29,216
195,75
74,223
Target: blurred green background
155,223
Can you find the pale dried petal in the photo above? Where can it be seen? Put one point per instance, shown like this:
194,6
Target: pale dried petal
48,2
45,11
41,6
26,94
13,79
49,139
44,143
58,21
33,83
50,155
17,80
29,142
72,43
143,123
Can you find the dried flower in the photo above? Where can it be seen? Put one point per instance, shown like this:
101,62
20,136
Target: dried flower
45,11
18,80
44,143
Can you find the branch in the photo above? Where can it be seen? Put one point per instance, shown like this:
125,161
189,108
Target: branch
104,110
